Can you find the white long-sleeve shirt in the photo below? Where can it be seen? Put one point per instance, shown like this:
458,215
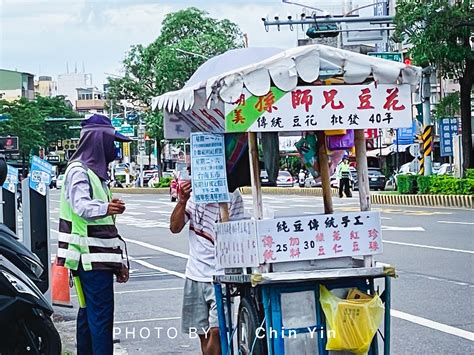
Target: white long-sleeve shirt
78,194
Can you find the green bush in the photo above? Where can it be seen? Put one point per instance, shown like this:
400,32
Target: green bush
164,182
120,178
470,174
435,185
406,184
424,184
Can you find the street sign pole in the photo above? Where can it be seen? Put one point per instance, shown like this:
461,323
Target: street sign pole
141,149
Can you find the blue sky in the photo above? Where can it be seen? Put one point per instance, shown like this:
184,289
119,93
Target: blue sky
41,36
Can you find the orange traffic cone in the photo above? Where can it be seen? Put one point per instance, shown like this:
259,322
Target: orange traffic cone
60,286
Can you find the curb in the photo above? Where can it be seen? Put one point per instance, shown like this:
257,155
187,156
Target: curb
141,190
313,191
461,201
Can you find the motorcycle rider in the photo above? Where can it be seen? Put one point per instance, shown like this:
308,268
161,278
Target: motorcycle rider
301,177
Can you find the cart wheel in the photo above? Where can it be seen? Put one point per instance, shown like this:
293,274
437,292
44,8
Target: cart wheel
248,322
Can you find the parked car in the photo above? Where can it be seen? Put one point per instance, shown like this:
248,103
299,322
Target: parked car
285,179
376,179
147,175
60,181
446,169
264,180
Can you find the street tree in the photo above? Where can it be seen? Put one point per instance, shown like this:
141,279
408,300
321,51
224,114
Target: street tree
439,34
26,122
56,107
188,37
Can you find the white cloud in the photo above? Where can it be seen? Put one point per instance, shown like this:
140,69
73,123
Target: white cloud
47,34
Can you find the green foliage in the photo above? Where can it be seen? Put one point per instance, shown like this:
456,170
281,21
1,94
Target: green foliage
164,182
435,185
26,121
160,67
438,34
56,107
470,173
449,106
423,183
406,184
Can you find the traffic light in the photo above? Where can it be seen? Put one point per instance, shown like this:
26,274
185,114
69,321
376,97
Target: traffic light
328,30
406,59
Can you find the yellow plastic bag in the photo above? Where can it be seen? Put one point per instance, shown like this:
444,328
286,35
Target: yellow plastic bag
352,323
335,132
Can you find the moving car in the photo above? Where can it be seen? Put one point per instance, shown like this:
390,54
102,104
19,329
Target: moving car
285,179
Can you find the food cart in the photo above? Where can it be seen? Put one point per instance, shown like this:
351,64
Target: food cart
281,268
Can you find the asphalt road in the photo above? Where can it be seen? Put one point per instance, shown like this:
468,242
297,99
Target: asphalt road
432,249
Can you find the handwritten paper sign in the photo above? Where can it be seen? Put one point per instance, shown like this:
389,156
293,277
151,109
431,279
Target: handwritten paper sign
319,237
236,244
208,168
322,108
11,180
40,175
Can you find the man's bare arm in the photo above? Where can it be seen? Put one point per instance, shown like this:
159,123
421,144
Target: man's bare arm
177,220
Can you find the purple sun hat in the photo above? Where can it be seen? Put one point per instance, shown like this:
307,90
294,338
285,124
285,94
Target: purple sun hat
101,120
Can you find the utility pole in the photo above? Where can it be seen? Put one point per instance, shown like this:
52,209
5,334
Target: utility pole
427,123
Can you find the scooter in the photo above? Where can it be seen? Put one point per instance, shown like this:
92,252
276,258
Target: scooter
25,315
27,261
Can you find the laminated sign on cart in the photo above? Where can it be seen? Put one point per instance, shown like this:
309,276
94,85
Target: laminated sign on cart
319,237
208,168
322,108
40,175
12,179
236,244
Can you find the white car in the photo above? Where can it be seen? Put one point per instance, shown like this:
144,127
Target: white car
284,179
60,181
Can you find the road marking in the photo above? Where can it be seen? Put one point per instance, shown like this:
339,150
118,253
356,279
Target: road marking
154,267
454,222
146,320
157,248
403,229
433,325
429,247
149,290
135,213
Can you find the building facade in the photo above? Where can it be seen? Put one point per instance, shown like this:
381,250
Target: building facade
89,100
15,85
45,86
68,84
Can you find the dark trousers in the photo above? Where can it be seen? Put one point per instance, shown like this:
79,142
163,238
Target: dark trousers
95,323
344,184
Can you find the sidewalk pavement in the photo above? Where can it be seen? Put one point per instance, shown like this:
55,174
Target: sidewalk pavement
65,322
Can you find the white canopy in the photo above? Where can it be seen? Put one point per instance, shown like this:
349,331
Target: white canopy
223,78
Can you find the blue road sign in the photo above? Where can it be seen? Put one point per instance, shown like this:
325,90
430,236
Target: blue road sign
448,127
406,135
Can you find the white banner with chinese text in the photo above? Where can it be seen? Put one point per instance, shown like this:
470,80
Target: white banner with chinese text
236,244
319,237
322,108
